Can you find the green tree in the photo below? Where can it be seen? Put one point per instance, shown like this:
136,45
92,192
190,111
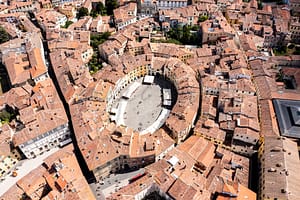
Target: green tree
98,39
68,23
170,40
110,6
93,14
82,11
95,64
184,35
4,37
202,18
260,5
5,116
297,51
99,9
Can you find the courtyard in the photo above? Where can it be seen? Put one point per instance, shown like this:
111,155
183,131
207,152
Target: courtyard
141,106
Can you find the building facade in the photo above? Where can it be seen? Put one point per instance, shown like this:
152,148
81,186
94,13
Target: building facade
56,137
164,4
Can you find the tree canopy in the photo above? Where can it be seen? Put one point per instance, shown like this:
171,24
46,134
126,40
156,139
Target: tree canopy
4,36
98,39
202,18
82,11
110,6
68,23
187,35
99,9
5,116
95,64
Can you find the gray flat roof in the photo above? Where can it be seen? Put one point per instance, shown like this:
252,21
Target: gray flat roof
288,117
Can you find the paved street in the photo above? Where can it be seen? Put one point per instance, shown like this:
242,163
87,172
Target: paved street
23,168
109,185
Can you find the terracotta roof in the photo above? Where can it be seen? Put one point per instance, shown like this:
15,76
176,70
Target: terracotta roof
45,96
32,182
265,86
13,193
180,180
121,14
59,172
268,120
246,135
180,190
199,149
5,139
38,66
280,155
16,68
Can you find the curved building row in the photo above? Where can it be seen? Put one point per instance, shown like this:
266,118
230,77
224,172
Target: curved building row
106,147
109,148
